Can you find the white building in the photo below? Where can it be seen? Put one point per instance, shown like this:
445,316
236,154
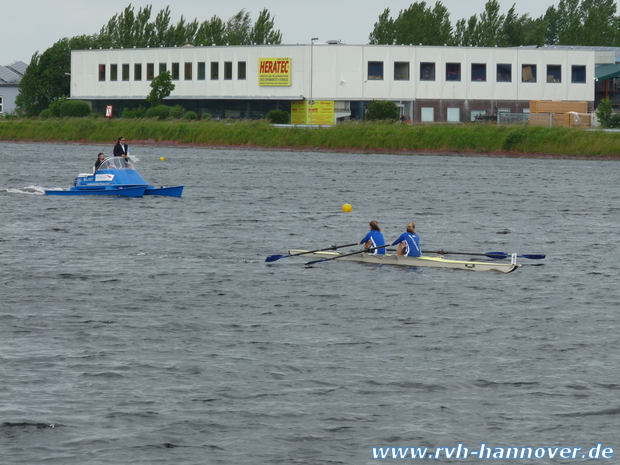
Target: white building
429,83
10,76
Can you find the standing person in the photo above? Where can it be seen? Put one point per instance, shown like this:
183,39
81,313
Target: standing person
374,238
409,242
99,161
120,149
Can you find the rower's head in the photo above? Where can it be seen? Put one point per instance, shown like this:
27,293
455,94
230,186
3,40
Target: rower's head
374,226
411,227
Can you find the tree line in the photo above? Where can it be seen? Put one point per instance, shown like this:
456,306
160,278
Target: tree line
571,22
47,76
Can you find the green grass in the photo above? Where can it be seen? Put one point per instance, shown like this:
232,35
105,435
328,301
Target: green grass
380,137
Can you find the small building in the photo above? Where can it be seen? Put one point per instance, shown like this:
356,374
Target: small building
428,83
10,76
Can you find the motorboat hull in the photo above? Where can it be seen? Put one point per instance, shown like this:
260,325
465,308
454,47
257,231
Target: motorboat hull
134,191
175,191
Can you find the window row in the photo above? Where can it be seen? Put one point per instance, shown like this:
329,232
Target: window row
175,71
503,72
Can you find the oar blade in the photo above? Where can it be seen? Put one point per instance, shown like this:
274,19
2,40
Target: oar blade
497,255
273,258
534,256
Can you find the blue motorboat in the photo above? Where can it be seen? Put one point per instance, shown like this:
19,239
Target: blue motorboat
116,176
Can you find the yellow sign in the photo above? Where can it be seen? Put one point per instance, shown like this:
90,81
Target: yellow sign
274,72
322,112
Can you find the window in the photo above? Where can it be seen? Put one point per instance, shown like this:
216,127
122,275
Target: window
476,113
428,114
188,71
175,71
227,70
125,71
528,73
150,71
578,74
241,70
137,72
427,71
554,73
163,67
375,70
504,72
479,72
454,115
102,72
201,71
453,71
215,70
401,70
1,104
113,72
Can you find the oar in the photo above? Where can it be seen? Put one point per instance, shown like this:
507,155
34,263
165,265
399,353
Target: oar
273,258
490,254
347,254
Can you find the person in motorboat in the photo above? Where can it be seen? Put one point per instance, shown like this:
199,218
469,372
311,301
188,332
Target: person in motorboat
100,159
408,242
374,238
121,149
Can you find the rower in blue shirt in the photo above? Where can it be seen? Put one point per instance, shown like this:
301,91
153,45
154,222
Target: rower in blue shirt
409,242
374,238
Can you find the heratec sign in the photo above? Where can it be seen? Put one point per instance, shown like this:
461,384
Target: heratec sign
274,72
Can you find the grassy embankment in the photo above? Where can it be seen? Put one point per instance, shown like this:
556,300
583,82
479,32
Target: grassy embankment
363,137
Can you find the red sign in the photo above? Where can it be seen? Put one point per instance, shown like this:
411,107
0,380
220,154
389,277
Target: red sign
108,111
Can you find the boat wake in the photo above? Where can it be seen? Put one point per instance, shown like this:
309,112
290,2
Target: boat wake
30,190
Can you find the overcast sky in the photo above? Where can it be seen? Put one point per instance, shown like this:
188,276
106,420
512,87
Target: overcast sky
35,25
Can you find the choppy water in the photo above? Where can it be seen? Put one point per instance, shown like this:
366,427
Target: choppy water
152,330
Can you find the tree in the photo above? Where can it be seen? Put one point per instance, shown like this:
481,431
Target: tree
384,32
382,111
162,87
211,32
47,76
414,25
238,28
262,32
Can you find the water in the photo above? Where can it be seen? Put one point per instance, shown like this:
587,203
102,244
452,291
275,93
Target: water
152,330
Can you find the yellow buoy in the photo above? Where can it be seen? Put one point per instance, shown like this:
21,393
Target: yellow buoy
347,208
162,158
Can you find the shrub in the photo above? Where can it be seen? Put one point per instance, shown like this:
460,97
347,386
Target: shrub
177,112
205,116
159,111
54,106
47,113
278,117
382,111
74,108
604,113
191,115
133,113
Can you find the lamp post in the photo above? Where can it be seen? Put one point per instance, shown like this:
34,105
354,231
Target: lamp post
311,66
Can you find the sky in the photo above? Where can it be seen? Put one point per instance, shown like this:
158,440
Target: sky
35,25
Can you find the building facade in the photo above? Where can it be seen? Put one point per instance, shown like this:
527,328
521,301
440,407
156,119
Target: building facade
429,84
10,76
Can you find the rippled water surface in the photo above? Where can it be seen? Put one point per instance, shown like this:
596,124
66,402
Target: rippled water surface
152,330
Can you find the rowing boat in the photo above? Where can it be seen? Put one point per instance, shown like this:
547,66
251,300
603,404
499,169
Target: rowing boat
432,262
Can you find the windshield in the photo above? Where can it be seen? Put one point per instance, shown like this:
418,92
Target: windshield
116,163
